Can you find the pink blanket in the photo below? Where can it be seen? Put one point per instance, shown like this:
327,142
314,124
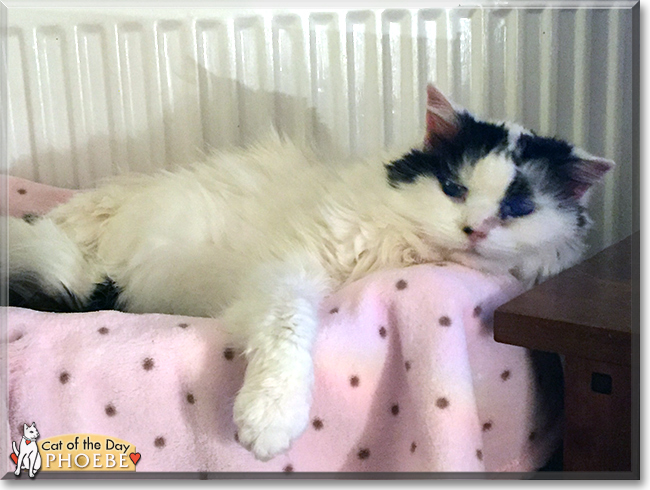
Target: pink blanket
408,378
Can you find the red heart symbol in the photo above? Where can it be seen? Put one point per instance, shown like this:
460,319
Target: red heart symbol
135,457
14,458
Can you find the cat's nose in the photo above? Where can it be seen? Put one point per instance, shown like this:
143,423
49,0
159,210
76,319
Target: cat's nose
474,234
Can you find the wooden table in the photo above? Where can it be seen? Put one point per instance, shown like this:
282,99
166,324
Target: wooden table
586,313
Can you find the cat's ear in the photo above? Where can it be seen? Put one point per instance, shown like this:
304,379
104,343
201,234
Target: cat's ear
25,426
442,118
587,171
33,424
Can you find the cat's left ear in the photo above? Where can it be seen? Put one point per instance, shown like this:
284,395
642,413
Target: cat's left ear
442,118
33,424
587,171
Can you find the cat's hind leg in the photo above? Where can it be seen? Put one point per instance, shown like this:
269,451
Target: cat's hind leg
276,319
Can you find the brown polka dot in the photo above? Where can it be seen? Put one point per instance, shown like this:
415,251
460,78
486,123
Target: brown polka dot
487,426
229,353
159,442
183,325
445,321
110,410
236,436
190,398
103,330
364,453
532,436
147,364
407,365
442,403
382,332
414,446
22,191
288,469
479,454
401,284
64,377
477,311
505,375
334,310
354,381
317,423
394,409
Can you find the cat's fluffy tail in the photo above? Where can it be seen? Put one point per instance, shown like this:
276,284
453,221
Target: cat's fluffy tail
47,270
13,443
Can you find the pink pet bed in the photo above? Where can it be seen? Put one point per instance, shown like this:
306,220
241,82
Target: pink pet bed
408,379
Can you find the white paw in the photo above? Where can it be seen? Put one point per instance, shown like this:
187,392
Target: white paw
269,419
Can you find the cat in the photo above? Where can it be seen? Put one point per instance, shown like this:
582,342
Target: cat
28,456
261,235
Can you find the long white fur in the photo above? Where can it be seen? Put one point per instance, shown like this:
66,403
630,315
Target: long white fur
260,236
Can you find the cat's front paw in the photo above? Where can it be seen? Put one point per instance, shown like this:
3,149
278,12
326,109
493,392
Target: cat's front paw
269,419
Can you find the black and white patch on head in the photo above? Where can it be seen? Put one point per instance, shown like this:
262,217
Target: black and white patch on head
471,141
568,172
505,194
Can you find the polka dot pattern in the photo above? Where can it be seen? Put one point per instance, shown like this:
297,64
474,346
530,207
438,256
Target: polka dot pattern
393,410
401,284
442,403
444,321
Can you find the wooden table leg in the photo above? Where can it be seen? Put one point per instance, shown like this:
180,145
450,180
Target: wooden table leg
597,433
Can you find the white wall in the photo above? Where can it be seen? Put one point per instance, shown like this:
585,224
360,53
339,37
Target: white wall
93,91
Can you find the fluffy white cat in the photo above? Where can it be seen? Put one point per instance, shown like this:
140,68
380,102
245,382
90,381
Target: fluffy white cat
260,236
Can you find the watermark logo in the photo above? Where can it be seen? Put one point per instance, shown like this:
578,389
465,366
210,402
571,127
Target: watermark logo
74,452
26,455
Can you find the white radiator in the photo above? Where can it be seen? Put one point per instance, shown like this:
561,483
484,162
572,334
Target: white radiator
95,91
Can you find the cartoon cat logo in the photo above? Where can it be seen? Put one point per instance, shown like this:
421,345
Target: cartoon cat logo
28,456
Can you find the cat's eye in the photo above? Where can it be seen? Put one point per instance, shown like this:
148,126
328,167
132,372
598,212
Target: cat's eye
454,190
516,206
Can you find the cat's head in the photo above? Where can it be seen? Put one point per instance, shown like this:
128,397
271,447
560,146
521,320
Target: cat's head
30,431
495,195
